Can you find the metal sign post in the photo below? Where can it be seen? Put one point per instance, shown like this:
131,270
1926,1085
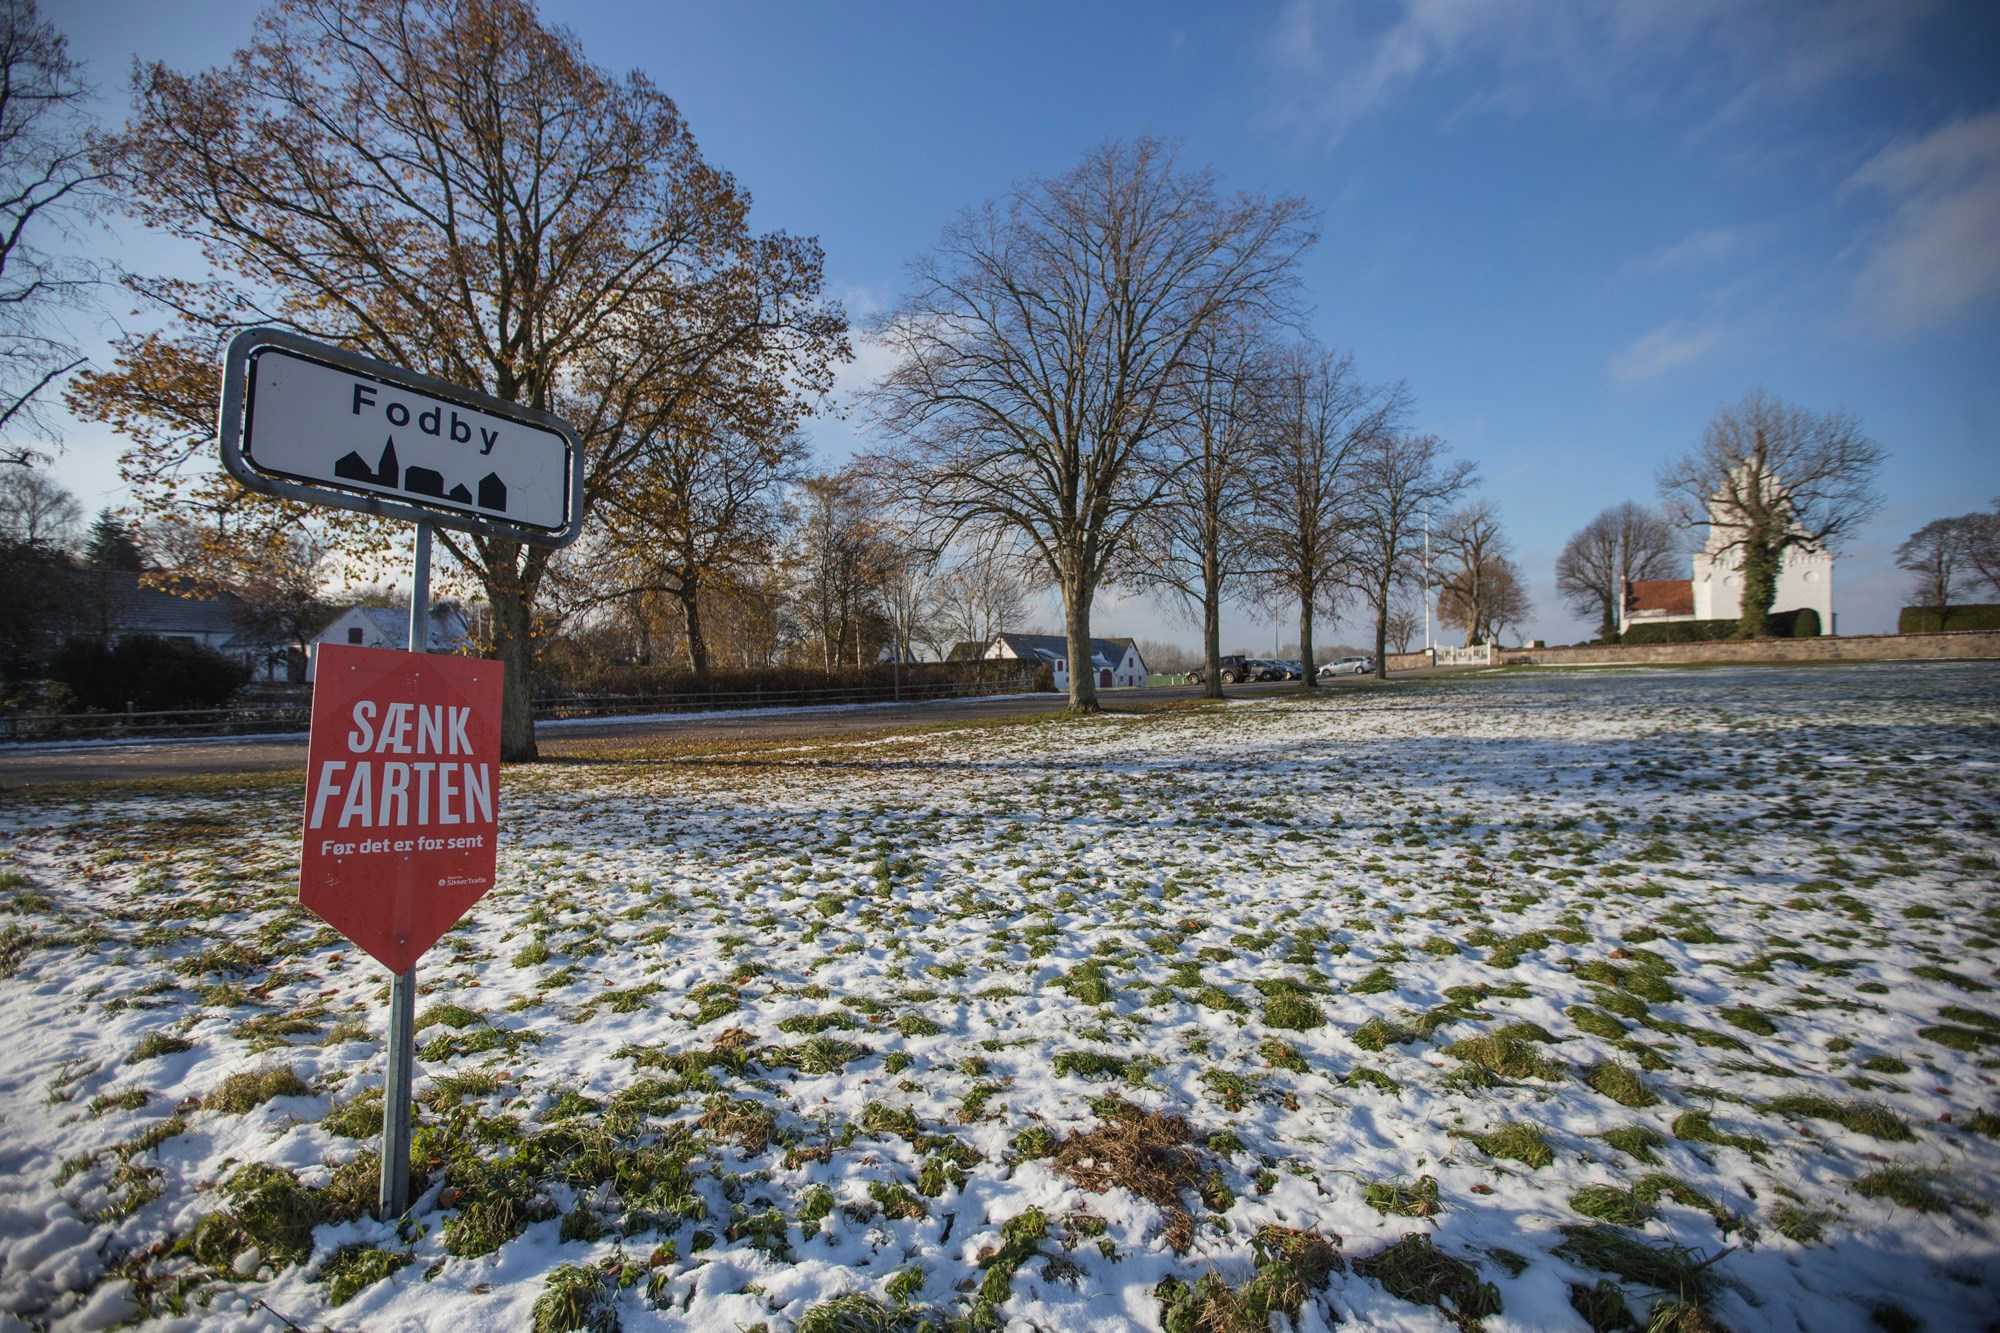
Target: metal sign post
394,1198
402,766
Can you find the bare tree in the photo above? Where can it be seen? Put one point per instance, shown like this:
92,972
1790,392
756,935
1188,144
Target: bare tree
453,187
36,508
1193,542
1625,543
1039,354
1769,478
1401,627
1399,477
46,185
1982,546
1318,420
908,590
1472,545
1937,556
979,596
700,501
841,561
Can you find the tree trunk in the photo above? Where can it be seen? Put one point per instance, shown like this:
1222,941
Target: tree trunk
1076,617
691,619
1760,589
514,648
1211,625
1609,630
1382,634
1308,678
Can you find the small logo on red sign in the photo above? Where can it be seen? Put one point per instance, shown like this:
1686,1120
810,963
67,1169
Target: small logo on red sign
402,796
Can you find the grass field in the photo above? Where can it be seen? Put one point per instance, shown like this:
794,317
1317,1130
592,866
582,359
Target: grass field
1619,999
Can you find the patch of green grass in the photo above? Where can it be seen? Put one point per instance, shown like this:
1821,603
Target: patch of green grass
1959,1038
1663,1267
1595,1021
1869,1118
1932,972
1517,1142
858,1312
1507,1056
242,1093
276,1212
1608,1203
1293,1010
1280,1055
577,1298
1378,981
1379,1032
1696,1127
1365,1076
1748,1018
1910,1187
1636,1141
1415,1199
155,1044
1603,1308
1088,1065
1415,1269
817,1055
352,1269
1292,1265
131,1099
1798,1223
1622,1084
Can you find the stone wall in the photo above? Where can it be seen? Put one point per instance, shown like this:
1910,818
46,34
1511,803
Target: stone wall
1407,661
1957,645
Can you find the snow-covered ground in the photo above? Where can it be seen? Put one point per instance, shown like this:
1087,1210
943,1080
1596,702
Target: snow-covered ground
1506,1001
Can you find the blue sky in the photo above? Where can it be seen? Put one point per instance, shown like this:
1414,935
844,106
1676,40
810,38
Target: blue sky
1575,230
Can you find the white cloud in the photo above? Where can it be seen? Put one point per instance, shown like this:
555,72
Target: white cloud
1331,69
1666,348
1936,256
1698,249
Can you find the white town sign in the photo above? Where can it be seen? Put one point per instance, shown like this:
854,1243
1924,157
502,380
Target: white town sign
311,422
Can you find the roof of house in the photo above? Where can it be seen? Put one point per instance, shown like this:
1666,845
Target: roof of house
447,628
1659,597
967,650
1055,647
133,608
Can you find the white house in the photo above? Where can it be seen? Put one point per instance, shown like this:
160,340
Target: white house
1115,662
389,627
1805,580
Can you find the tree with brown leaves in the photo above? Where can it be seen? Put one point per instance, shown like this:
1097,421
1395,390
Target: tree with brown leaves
450,186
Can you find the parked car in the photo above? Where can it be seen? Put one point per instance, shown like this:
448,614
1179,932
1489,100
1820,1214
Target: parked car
1347,666
1237,669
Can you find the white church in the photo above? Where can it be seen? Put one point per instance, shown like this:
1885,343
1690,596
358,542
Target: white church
1805,579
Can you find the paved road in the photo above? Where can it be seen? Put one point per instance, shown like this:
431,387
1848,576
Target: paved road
186,758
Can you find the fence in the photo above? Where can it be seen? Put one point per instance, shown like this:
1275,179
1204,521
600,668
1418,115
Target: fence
1479,654
280,718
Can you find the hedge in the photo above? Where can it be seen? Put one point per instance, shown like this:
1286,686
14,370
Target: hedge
148,673
1926,620
663,680
1800,624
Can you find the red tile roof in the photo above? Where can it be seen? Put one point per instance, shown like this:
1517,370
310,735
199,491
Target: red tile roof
1659,597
